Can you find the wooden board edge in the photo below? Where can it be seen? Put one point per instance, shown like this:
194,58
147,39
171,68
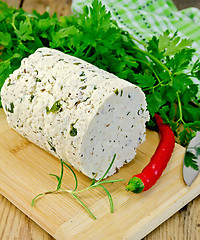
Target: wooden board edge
158,217
163,216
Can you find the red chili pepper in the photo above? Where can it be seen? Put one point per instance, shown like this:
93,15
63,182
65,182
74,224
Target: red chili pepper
152,172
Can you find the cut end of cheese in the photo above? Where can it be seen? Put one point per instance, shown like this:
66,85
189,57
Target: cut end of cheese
76,111
114,130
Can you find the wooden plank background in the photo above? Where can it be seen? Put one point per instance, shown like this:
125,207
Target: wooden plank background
15,225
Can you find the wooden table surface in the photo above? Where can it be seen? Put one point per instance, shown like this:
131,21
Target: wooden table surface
15,225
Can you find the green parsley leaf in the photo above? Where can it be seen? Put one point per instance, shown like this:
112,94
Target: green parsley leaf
144,80
11,108
5,39
57,37
55,107
181,60
73,131
176,44
196,69
163,41
153,47
188,132
155,101
24,32
190,160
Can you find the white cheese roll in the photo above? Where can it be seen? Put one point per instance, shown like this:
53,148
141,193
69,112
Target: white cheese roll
76,111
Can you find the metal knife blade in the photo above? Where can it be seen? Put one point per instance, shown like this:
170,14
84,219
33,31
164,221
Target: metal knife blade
192,151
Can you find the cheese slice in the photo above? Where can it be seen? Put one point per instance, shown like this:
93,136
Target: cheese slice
76,111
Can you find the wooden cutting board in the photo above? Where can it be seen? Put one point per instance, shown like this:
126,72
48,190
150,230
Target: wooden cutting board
24,173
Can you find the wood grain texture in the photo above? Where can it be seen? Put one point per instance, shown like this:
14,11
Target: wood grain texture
15,225
61,7
181,4
13,3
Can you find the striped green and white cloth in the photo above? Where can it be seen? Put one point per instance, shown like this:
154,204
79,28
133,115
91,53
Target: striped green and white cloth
144,18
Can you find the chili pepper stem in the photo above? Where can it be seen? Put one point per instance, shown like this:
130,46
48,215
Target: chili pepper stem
158,162
135,185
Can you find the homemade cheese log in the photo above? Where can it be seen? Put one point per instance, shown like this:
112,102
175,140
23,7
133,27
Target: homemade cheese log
75,111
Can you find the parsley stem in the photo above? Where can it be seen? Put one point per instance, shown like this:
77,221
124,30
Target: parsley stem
28,20
135,39
7,60
88,51
13,21
153,58
149,88
180,109
149,66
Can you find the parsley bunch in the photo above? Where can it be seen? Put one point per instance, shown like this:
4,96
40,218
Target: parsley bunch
167,80
162,68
